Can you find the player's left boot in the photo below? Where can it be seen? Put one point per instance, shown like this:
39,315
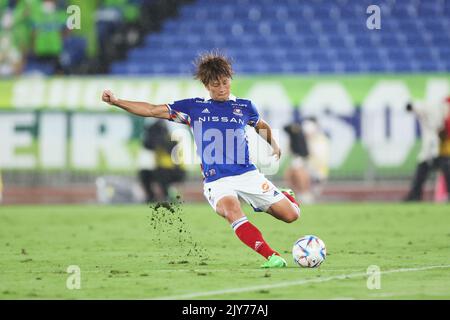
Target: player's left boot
290,195
274,261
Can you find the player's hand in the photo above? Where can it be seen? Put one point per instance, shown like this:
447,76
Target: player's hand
276,151
109,97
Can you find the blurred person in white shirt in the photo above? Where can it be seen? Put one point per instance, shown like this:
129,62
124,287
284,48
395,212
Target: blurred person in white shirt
11,61
319,155
309,167
297,175
431,117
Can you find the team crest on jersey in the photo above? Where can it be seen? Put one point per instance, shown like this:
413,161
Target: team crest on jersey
238,112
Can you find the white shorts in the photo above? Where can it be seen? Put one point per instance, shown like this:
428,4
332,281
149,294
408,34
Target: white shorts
252,187
298,162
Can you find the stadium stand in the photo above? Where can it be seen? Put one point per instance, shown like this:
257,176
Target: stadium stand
294,36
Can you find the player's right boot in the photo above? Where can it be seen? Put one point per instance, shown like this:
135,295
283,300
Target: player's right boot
274,261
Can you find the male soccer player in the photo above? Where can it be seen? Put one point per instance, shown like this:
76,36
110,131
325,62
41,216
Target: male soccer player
218,123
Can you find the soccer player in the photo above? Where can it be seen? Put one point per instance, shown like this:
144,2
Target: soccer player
218,123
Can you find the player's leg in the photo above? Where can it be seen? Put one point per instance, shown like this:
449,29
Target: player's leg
145,178
297,176
163,178
264,196
285,210
229,207
444,164
225,202
420,177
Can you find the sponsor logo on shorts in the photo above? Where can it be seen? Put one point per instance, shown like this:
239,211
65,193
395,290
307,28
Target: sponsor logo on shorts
265,187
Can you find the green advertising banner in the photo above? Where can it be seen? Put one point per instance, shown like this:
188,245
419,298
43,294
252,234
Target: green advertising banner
82,93
60,123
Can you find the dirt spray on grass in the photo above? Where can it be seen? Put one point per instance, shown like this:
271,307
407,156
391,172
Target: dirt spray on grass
169,230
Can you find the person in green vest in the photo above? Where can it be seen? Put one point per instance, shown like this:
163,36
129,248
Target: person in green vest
22,25
49,30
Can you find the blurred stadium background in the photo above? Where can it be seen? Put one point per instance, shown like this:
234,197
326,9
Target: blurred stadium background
294,58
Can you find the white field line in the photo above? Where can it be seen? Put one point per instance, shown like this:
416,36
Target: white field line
291,283
150,273
392,294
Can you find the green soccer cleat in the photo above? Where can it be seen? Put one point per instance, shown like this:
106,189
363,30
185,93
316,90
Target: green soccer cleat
274,261
290,195
289,192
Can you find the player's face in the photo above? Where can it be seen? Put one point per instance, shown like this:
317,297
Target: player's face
219,89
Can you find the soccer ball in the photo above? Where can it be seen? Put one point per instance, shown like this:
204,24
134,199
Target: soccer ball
309,251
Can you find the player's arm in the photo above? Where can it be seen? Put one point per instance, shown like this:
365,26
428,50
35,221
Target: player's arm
265,131
143,109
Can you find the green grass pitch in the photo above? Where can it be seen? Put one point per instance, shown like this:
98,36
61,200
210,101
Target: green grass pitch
132,252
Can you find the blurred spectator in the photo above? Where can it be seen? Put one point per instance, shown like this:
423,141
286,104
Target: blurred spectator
112,15
443,181
11,59
1,188
117,189
309,167
23,24
49,30
160,171
435,150
297,174
319,155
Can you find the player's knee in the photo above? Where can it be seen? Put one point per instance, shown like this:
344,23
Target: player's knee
233,213
291,218
292,215
231,210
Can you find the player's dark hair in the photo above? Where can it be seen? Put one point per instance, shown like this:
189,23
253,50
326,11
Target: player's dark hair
211,66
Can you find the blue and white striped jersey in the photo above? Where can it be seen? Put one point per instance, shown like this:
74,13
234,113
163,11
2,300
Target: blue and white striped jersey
218,128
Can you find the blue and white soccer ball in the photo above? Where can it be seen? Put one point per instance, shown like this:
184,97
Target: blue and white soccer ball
309,252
